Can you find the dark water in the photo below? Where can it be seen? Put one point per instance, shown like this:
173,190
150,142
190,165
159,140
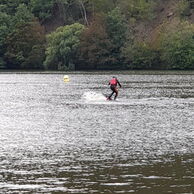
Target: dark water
52,140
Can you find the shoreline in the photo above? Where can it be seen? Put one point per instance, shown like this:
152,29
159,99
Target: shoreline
102,72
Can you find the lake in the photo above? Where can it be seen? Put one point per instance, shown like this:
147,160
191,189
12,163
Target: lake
58,137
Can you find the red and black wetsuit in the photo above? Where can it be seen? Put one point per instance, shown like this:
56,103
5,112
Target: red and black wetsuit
113,86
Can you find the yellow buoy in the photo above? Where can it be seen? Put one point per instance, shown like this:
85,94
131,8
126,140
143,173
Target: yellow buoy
66,78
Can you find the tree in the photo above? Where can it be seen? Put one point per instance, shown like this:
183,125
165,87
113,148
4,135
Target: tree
62,47
138,9
42,8
5,21
177,49
116,27
101,6
10,6
22,15
140,55
25,34
68,11
95,47
26,40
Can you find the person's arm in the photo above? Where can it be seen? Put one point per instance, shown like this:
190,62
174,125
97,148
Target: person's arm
119,83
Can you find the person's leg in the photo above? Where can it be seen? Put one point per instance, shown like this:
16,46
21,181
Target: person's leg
116,93
111,95
113,91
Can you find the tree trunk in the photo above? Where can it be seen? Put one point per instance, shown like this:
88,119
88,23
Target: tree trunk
84,12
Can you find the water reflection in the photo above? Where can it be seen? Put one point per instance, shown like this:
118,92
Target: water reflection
52,141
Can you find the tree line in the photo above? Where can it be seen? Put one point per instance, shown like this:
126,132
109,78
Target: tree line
94,35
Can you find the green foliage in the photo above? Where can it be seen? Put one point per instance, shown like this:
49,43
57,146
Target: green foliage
2,63
42,8
138,9
62,47
140,56
70,11
191,4
20,34
5,21
22,15
22,44
35,58
116,27
177,49
101,6
10,6
111,38
183,8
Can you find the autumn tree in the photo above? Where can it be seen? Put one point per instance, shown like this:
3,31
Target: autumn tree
95,47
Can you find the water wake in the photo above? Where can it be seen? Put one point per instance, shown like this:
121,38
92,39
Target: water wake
93,97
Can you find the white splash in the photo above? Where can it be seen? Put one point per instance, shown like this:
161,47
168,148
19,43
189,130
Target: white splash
93,96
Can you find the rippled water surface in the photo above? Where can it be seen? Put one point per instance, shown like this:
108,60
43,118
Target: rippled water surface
54,139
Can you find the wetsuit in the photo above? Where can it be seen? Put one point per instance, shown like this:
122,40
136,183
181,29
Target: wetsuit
113,86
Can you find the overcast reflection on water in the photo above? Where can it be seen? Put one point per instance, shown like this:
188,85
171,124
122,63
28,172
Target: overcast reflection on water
53,140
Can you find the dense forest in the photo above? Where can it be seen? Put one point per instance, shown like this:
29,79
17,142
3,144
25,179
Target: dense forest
96,34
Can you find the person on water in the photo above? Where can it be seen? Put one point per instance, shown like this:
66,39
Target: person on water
113,86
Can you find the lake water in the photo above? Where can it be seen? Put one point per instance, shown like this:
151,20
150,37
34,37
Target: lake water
58,137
